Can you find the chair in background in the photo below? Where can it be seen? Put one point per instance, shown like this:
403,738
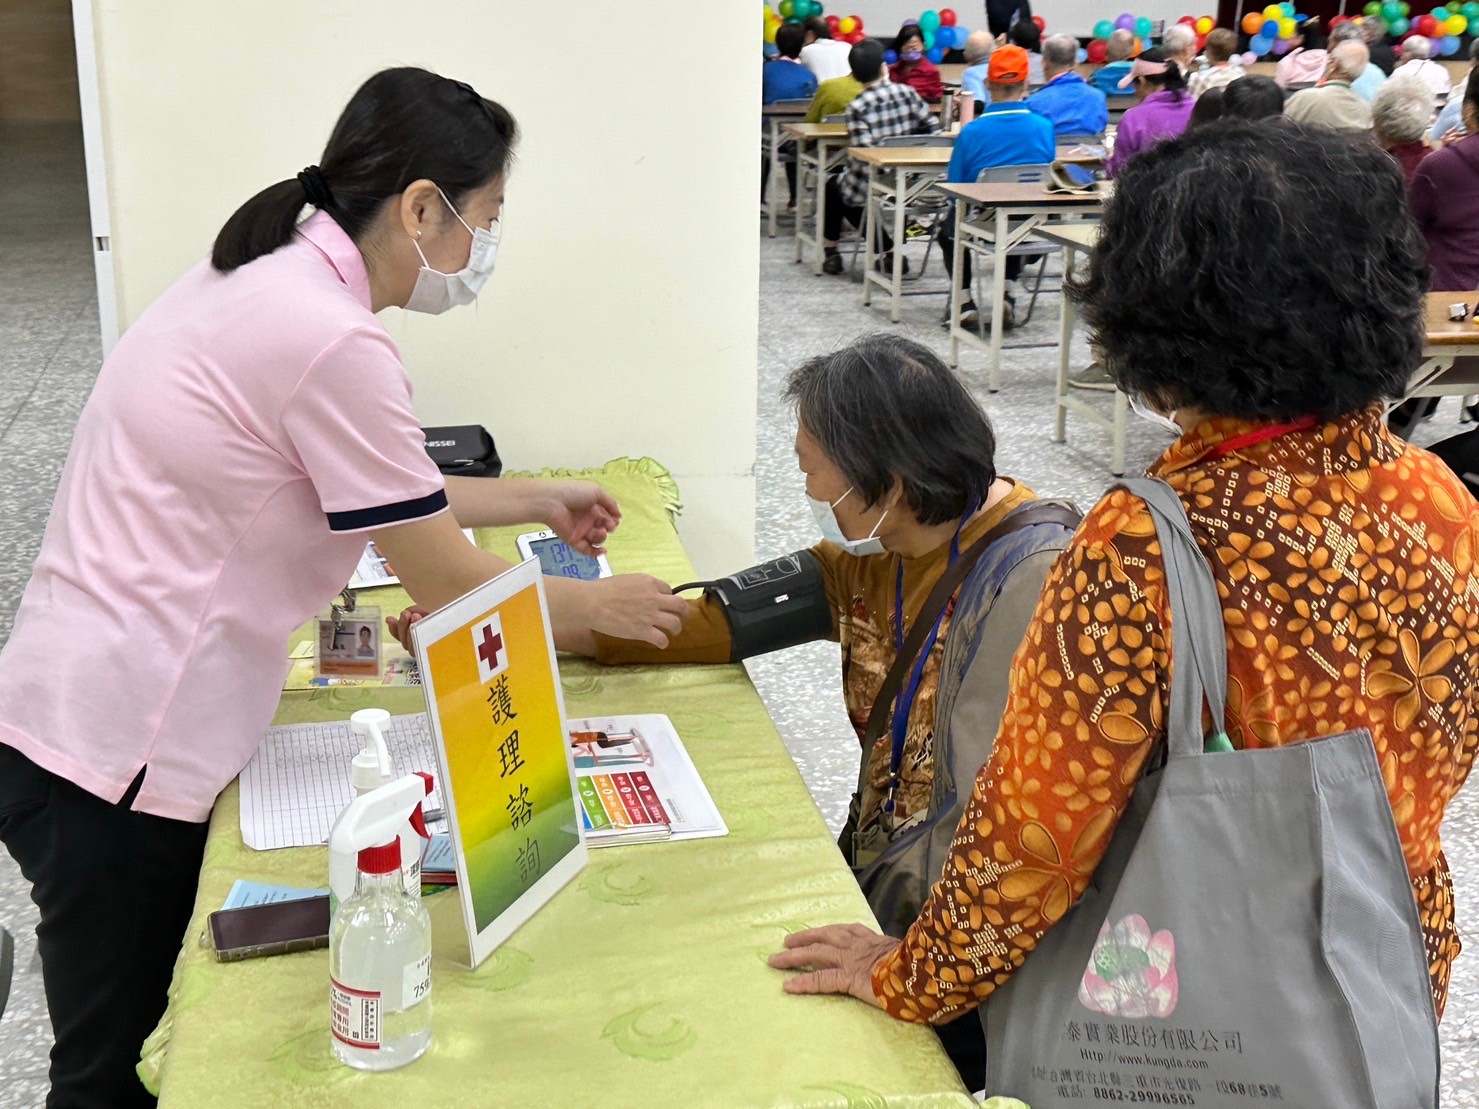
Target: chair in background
1038,173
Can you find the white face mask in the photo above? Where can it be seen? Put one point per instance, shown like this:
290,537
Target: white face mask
436,291
1145,412
832,531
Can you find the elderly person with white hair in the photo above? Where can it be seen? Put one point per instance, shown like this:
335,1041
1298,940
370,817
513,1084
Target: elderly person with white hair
1117,50
1070,103
1372,77
1399,116
1333,103
1179,44
978,47
1419,54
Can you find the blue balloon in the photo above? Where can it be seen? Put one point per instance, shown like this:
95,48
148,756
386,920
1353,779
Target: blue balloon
1448,46
1299,17
1083,55
935,54
961,34
1269,30
1260,45
890,57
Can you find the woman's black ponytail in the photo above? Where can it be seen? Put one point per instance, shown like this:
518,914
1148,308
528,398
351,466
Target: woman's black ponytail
401,126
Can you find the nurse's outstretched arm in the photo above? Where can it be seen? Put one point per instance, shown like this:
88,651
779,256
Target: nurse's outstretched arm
437,564
579,512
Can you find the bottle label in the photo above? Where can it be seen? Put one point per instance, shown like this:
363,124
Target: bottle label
416,983
355,1016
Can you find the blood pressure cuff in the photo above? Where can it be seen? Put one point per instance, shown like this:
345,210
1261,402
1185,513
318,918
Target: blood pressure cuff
467,451
772,606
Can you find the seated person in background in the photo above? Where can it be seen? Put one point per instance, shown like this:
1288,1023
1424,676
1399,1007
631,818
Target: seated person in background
1024,33
898,459
825,56
1117,50
1372,77
1207,108
1418,54
1378,44
1450,120
1069,103
785,78
833,96
1399,117
1444,194
1274,435
1252,97
1179,45
1161,113
1332,104
1222,44
978,47
1006,134
883,110
1305,64
913,68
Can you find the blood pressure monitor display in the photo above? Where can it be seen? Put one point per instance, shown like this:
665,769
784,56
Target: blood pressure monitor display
558,560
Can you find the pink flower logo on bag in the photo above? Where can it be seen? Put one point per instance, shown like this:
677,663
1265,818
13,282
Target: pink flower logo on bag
1131,972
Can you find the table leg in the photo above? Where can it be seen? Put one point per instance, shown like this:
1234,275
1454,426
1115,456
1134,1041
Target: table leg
870,221
998,299
957,259
770,189
801,160
896,286
1065,341
820,209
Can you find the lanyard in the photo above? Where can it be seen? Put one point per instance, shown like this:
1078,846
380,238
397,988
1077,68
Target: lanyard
904,703
1261,435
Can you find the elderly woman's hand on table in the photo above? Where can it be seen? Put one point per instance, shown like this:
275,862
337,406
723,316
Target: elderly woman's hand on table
838,958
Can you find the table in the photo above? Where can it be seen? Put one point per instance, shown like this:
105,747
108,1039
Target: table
642,983
1075,239
775,115
900,174
819,148
1450,365
1009,214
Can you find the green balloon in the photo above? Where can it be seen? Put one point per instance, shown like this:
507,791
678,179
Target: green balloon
1373,8
1391,11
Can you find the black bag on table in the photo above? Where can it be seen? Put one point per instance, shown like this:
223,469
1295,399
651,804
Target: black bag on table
466,451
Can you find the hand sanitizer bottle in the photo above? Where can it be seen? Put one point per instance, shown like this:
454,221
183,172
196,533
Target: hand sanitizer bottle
380,941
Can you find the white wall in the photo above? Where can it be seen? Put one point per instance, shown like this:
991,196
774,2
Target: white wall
1074,17
623,316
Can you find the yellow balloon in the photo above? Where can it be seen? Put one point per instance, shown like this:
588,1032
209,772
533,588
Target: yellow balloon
1273,11
1286,28
1456,25
847,25
770,29
1205,24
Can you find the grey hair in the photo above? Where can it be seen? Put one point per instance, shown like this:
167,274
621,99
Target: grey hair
1350,59
978,46
1060,51
1401,109
1178,39
1417,47
1348,32
1118,46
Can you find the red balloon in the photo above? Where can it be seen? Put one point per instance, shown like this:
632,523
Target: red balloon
1201,43
1190,20
858,26
1336,21
1042,24
856,37
947,17
1098,50
1425,25
832,21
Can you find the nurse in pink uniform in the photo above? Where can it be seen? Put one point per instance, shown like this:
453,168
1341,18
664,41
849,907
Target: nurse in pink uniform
248,434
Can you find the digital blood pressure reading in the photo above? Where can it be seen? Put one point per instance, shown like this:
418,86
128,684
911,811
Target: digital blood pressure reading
558,560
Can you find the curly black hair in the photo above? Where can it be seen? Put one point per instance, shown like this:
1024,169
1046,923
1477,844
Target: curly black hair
1267,271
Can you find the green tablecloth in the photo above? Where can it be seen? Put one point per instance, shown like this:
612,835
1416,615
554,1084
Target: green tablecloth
642,983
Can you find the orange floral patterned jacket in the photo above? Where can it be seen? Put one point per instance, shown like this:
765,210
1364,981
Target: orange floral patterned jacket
1345,560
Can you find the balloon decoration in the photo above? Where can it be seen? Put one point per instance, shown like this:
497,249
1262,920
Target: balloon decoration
1442,26
941,32
1142,27
847,28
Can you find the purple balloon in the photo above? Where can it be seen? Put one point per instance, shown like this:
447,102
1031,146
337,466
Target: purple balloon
1280,47
1249,58
1125,23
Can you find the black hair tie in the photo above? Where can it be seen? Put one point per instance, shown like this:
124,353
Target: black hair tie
315,188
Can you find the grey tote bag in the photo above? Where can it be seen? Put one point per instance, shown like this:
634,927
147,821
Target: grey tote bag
1250,937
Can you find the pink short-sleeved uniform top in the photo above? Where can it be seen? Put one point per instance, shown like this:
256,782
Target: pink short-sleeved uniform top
243,435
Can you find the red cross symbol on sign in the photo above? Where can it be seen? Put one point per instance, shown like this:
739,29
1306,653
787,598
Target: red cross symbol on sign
492,653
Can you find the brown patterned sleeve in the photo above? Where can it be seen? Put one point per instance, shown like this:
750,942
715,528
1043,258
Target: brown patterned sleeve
1086,702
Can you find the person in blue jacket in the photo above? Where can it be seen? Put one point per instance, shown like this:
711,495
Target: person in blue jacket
786,78
1008,133
1071,104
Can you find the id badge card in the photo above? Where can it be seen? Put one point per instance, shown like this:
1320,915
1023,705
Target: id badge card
348,643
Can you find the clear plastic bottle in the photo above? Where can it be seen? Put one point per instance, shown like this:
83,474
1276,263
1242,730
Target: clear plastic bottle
380,968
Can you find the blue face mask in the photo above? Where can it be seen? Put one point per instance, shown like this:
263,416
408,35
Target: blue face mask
911,56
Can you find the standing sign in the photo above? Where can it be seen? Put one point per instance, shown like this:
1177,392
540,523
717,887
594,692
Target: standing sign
493,698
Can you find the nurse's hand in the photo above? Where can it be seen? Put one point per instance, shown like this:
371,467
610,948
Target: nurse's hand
400,626
632,606
581,513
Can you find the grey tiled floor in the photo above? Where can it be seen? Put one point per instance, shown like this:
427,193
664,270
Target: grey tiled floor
49,353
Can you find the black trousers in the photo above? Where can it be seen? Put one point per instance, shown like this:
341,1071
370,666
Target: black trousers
964,1040
947,247
838,209
115,889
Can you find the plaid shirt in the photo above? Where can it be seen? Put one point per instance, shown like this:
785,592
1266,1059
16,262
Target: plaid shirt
881,112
